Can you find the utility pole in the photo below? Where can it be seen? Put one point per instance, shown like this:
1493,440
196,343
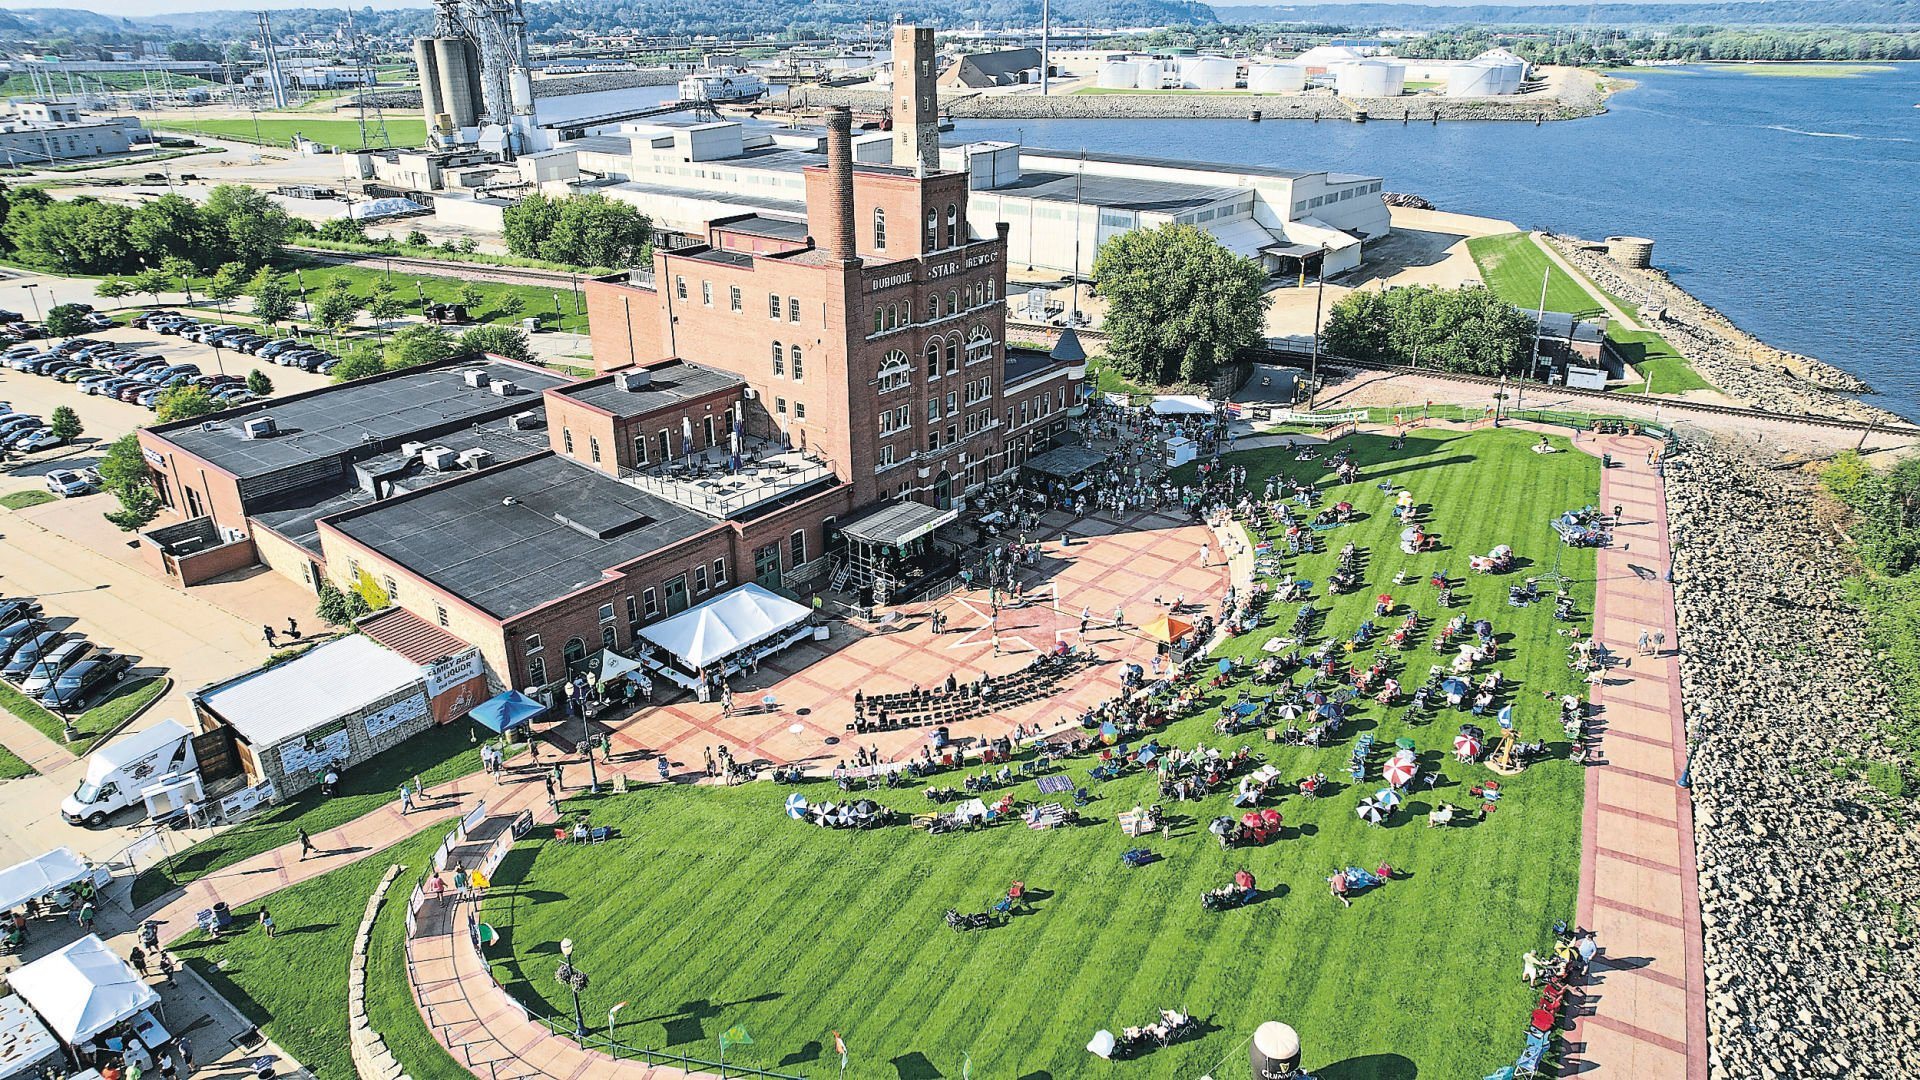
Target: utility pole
1045,53
1313,365
1540,316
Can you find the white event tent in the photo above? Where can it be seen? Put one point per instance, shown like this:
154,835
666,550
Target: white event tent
730,623
43,876
83,989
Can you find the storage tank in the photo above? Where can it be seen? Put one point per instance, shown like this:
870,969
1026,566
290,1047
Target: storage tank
429,68
1276,78
1511,73
1473,79
1208,73
1151,74
459,80
1370,78
1119,75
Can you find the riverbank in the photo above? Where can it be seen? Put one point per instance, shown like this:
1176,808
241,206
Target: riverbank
1578,94
1806,870
1736,362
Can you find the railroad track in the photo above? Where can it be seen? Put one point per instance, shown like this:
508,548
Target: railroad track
1615,400
501,275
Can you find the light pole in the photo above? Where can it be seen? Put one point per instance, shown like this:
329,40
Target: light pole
1313,365
575,980
33,294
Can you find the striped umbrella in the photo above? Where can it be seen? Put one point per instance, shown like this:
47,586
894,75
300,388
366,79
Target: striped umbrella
1399,772
1466,747
796,806
1371,811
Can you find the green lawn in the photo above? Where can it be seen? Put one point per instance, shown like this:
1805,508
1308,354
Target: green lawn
126,699
710,909
534,299
279,130
1511,264
20,500
438,755
294,986
11,767
1650,353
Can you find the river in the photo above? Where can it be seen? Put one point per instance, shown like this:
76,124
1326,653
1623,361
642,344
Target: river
1792,204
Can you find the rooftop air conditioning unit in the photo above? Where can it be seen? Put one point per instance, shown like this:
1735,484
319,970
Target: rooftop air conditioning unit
409,449
260,427
476,458
475,378
630,381
505,388
526,421
749,393
439,458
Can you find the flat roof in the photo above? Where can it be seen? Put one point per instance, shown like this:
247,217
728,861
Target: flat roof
1023,364
725,198
337,419
669,384
510,539
763,225
1120,192
898,523
321,685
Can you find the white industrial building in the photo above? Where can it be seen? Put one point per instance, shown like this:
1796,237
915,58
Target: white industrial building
56,130
1494,73
687,174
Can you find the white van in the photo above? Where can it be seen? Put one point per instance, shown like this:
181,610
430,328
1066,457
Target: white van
119,771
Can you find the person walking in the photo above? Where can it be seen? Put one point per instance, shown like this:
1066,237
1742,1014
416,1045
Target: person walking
1086,614
406,799
707,753
168,1071
293,629
185,1050
86,917
306,843
267,631
1646,641
552,790
419,786
1206,552
266,922
166,972
665,768
138,958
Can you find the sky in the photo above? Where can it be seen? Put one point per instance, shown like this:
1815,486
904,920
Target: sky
170,7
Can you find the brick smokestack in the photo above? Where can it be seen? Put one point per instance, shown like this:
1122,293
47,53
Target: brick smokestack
839,231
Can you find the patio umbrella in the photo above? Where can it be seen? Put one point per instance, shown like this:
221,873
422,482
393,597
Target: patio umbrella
866,807
1251,819
1225,665
1291,710
1404,743
1453,686
1167,629
1314,697
1466,747
1388,798
1109,734
796,806
1399,772
1220,826
1329,711
1370,811
1270,818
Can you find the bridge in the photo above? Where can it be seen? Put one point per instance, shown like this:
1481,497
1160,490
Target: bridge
577,127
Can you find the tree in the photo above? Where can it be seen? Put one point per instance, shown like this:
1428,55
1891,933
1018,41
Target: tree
1179,304
593,230
500,339
184,402
338,306
66,320
359,363
471,298
272,298
123,465
113,288
65,423
151,282
1467,330
227,284
171,226
343,230
139,504
339,608
528,223
418,239
250,228
510,305
385,308
183,271
258,384
416,345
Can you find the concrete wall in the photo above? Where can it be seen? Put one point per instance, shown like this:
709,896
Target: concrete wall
361,745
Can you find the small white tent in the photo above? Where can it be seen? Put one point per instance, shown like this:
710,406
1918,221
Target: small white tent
729,623
1181,405
83,989
24,1041
43,876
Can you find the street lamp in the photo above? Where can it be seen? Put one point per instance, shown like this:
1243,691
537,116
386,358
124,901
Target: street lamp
1313,365
575,980
33,294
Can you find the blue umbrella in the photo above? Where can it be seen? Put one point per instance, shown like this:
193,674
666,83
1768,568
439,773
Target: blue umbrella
1454,686
1388,798
1225,666
796,806
1330,711
1314,697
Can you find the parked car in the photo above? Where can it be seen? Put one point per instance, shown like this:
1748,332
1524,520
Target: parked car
273,349
146,318
35,441
14,609
85,680
134,371
10,316
133,390
247,343
31,650
16,351
68,483
18,633
150,397
14,422
75,374
325,367
228,397
87,384
48,668
98,321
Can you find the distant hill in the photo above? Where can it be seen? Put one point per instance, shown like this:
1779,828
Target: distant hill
1862,13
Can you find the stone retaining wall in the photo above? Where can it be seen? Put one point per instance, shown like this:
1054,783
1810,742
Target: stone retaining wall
371,1059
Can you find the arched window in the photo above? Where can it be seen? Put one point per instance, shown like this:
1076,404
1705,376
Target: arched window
953,301
989,290
779,359
793,355
575,651
906,311
953,353
879,319
933,229
979,341
893,316
933,359
953,226
879,229
895,372
933,306
608,639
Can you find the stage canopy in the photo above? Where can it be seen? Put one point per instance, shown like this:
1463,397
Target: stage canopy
729,623
43,876
1068,462
897,523
1181,405
83,989
508,709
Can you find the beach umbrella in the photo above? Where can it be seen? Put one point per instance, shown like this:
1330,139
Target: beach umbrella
1466,747
1343,507
1404,743
1388,798
1291,710
1109,734
1405,497
1270,818
1399,772
1384,598
1482,627
1330,711
865,807
1225,665
1453,686
1370,811
1220,826
1502,551
1251,819
1167,629
1314,697
1473,730
796,806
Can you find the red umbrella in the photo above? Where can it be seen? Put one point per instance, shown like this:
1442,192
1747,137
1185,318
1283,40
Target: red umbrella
1251,819
1399,772
1270,817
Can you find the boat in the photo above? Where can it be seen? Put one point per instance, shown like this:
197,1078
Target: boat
723,86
